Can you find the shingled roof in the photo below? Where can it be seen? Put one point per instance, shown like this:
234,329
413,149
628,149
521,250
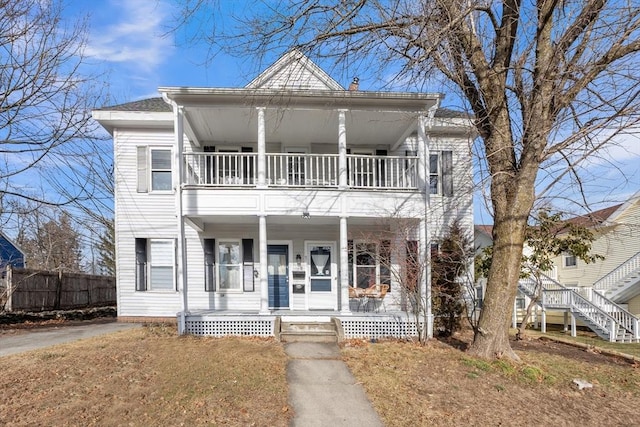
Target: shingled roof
154,105
594,218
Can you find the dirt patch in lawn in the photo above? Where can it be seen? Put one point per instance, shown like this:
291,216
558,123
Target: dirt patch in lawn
440,385
147,376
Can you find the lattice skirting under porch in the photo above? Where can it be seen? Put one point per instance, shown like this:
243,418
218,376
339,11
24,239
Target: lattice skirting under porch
379,327
222,326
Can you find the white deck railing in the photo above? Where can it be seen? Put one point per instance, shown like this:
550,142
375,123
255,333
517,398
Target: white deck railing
301,170
599,310
627,268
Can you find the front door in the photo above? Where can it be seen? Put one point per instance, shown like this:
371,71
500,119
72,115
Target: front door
323,292
278,275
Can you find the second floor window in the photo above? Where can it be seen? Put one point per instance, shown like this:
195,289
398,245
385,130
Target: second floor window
441,173
160,170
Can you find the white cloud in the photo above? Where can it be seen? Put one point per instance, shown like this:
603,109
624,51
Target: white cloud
133,36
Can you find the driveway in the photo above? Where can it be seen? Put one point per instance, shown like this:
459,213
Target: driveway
27,340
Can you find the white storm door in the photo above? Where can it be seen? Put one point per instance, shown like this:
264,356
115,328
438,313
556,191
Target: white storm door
323,292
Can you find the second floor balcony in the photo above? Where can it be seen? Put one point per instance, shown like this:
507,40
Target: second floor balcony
285,170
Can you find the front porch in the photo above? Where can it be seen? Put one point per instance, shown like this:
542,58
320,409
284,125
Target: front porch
364,325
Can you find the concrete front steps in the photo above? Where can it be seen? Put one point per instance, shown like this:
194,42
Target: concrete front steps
308,330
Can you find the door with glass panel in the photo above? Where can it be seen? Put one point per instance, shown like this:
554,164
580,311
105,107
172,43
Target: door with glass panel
278,275
323,292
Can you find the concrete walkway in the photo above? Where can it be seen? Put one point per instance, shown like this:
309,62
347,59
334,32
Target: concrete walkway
41,338
322,390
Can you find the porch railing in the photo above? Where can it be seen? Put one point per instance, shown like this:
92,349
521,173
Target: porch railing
220,169
301,170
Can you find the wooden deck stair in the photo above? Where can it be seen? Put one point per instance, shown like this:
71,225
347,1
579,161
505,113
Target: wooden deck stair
604,317
623,282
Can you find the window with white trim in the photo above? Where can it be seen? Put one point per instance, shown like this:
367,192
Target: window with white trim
569,260
155,264
369,263
366,265
161,265
229,266
161,170
441,173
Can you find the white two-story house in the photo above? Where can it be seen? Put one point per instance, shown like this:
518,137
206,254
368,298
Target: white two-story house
235,206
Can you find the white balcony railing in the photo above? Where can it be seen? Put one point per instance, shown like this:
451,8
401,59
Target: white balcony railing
306,170
301,170
220,169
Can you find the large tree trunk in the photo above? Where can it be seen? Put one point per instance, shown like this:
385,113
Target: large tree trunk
512,190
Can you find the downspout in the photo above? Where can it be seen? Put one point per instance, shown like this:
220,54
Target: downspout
181,273
427,213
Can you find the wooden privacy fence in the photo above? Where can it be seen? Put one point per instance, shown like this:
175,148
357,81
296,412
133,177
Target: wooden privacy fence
23,289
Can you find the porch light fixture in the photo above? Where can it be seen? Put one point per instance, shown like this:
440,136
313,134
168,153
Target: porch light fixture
299,259
306,215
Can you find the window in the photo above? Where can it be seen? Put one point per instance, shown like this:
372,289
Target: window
433,174
155,263
366,268
441,173
570,260
369,263
230,266
209,247
161,170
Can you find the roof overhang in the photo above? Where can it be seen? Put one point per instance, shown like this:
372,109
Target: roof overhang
139,119
191,97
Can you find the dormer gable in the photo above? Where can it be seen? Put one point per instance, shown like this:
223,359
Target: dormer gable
294,71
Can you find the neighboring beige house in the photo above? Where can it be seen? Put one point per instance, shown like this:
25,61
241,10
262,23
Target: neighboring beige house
617,231
604,295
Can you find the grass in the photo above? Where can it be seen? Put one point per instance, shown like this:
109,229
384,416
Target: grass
148,376
438,385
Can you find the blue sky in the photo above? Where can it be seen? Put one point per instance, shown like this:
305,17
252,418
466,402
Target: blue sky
129,40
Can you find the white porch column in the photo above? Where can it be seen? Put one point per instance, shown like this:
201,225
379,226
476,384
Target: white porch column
425,235
344,267
342,149
181,252
262,149
264,284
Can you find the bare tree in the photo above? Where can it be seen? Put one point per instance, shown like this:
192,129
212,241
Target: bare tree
49,239
548,82
46,96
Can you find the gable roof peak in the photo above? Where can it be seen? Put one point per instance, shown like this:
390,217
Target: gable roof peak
294,71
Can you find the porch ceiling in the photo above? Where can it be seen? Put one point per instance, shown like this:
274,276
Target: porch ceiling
237,125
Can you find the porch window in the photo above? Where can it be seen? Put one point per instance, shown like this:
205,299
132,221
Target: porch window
160,170
230,266
365,268
370,264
